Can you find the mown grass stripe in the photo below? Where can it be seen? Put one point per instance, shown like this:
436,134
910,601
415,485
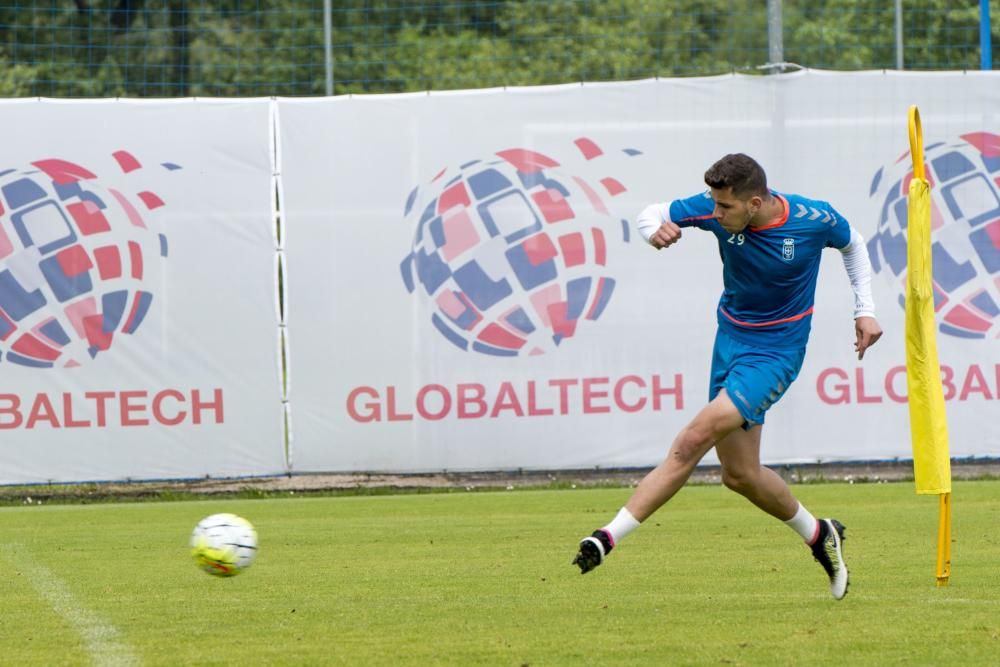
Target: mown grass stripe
102,639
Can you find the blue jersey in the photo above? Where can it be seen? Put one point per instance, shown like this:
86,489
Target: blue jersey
769,273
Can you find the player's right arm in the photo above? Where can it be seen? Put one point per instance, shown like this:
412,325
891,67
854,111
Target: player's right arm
660,224
656,227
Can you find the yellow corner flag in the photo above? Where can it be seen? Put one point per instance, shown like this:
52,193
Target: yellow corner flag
928,424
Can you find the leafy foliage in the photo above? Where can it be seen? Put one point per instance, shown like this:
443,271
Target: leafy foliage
278,47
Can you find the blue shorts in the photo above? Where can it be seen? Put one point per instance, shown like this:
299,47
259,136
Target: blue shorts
754,377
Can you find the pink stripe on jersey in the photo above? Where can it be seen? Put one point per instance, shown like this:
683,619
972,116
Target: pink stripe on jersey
697,217
793,318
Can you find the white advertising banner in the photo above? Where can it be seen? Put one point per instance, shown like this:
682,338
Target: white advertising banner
467,290
138,310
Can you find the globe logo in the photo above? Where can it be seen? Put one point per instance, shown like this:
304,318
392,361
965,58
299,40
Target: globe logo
75,262
964,176
510,253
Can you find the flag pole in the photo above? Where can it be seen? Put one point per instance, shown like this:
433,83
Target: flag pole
944,540
928,424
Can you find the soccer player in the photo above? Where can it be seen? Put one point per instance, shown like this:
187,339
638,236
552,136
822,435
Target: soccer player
770,245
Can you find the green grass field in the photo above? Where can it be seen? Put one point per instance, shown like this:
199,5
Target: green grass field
485,579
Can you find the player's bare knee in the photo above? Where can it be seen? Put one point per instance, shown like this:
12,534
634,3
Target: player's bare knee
683,456
690,445
738,480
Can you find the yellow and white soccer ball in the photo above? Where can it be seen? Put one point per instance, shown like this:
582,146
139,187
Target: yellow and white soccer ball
224,544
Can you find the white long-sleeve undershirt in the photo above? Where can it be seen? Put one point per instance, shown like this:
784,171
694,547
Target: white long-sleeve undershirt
651,218
859,270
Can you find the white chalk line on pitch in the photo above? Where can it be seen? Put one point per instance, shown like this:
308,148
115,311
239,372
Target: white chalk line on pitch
101,639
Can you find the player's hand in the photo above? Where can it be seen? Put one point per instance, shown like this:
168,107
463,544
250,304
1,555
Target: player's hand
668,234
868,332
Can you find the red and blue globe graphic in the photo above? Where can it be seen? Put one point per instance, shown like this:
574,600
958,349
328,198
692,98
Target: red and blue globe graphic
964,176
75,261
512,252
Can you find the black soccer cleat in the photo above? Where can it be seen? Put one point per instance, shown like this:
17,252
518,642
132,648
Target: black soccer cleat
828,551
593,550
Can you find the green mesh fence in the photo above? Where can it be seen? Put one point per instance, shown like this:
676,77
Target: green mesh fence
171,48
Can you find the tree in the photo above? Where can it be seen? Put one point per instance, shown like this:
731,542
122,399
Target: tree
275,47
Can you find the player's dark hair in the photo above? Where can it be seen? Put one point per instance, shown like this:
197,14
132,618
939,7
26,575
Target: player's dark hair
739,172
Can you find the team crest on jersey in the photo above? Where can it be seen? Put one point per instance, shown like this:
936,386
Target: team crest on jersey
788,250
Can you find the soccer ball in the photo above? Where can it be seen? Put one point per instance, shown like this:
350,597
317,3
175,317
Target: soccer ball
224,544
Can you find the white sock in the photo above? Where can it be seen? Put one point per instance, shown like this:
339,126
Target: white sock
623,524
804,524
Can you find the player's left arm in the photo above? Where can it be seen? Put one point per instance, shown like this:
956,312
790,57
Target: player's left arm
859,270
